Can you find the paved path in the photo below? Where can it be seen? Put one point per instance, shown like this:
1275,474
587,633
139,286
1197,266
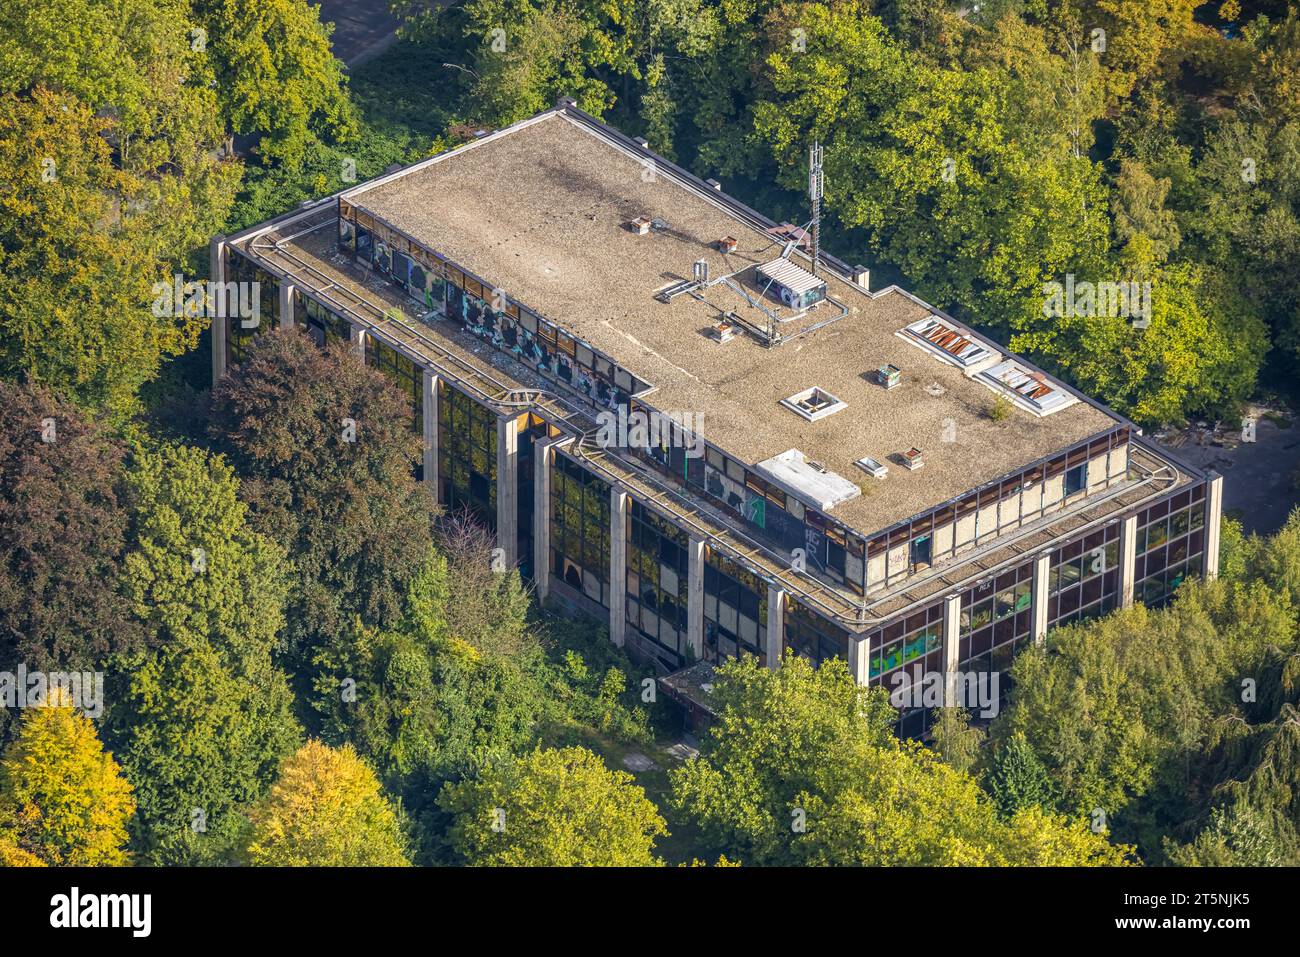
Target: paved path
363,29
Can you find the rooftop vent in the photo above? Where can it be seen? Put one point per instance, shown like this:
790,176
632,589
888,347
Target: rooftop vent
872,467
809,482
814,404
640,225
889,376
1029,390
725,329
912,458
935,389
700,271
947,341
727,244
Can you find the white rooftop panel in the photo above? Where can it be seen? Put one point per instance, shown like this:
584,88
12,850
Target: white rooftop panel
812,486
795,278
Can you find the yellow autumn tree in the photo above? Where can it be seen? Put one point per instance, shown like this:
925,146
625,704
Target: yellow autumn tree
325,810
63,800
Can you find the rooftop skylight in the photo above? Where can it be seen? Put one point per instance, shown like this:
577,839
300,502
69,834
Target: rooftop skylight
1029,390
947,341
814,404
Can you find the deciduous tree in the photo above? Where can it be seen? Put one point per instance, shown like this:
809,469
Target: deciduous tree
63,800
325,810
553,808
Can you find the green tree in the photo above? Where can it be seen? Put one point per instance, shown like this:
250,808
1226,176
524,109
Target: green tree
63,799
490,610
1139,208
325,810
276,74
801,768
960,178
1235,837
108,149
553,808
775,730
204,721
957,742
424,707
343,501
1017,780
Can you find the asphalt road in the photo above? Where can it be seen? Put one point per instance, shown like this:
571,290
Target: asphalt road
362,28
1259,478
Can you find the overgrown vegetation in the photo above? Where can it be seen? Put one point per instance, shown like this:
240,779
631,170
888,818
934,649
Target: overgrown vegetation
308,664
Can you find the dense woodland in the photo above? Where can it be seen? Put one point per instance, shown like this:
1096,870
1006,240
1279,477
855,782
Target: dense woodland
307,662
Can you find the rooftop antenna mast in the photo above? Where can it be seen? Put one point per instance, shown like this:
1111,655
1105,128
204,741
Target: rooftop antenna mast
815,183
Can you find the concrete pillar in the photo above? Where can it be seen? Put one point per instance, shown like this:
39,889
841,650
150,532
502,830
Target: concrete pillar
617,566
1038,596
286,304
695,598
217,267
775,625
1213,515
508,489
429,411
542,514
1128,530
860,658
358,337
951,650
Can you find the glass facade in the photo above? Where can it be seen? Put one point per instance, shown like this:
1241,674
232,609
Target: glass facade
323,326
1083,580
996,621
239,268
580,552
406,375
1170,545
467,454
735,610
901,654
657,573
810,636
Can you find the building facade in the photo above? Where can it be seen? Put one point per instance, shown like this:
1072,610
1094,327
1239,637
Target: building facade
677,417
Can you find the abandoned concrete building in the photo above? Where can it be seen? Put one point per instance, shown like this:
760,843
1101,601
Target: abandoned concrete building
684,418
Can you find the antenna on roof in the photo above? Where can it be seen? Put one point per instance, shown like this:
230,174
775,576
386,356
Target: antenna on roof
815,184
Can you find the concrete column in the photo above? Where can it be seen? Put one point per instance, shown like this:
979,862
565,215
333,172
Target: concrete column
860,658
286,304
1127,560
542,515
617,566
358,337
695,598
508,489
951,650
429,410
775,625
1213,515
217,267
1038,596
